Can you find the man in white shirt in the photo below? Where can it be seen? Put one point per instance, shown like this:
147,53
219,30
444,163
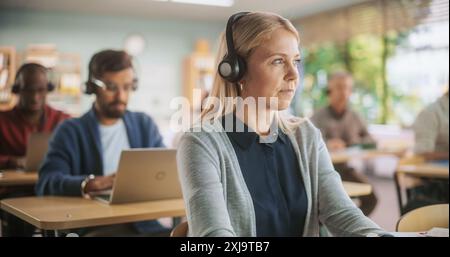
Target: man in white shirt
431,130
431,134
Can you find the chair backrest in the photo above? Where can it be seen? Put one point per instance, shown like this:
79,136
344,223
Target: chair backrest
181,230
402,183
424,218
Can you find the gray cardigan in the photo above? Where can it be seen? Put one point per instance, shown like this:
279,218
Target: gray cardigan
217,199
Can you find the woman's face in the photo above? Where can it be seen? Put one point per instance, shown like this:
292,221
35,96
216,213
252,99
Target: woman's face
272,69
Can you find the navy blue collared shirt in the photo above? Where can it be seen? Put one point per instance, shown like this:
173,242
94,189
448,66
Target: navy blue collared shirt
272,174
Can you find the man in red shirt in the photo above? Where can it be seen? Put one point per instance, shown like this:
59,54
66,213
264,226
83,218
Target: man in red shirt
31,114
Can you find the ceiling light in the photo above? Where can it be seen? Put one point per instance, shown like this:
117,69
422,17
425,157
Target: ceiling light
224,3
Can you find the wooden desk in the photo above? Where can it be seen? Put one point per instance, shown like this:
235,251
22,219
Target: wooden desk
17,178
58,213
346,155
424,170
354,189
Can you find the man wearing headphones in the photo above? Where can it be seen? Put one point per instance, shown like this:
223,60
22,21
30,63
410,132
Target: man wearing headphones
342,127
31,114
84,153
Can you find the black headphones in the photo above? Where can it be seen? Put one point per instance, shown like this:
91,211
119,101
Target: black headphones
232,67
15,89
90,84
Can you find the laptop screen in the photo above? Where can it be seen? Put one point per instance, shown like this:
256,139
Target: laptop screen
37,147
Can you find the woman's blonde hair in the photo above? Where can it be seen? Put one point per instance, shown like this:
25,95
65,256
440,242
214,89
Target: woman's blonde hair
249,32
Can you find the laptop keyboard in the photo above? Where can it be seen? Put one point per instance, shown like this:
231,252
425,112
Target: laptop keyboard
103,197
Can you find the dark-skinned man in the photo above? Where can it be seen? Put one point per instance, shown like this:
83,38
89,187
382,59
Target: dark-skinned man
30,115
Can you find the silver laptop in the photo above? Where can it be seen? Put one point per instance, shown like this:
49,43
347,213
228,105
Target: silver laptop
145,175
37,147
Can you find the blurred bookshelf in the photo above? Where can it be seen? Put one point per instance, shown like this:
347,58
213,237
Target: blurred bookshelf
7,76
198,70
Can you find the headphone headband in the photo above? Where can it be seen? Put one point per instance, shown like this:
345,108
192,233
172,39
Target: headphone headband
15,89
232,67
93,81
229,32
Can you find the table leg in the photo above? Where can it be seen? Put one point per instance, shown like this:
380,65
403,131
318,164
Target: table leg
50,233
175,221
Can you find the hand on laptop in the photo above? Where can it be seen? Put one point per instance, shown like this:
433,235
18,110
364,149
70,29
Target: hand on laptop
100,183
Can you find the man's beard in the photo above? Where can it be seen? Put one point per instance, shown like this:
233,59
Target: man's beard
110,112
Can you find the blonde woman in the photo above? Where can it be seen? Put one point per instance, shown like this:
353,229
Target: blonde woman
265,181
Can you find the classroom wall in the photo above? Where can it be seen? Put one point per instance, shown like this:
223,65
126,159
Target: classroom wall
159,66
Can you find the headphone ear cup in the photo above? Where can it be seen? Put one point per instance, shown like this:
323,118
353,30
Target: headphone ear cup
50,87
15,89
225,68
232,68
89,89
